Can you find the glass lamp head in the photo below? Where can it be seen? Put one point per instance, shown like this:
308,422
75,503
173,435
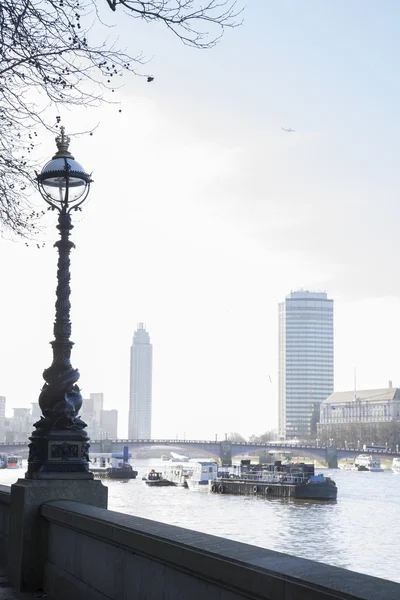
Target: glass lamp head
63,182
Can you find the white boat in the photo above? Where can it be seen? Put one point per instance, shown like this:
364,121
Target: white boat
203,472
366,462
348,467
14,462
178,474
396,465
178,457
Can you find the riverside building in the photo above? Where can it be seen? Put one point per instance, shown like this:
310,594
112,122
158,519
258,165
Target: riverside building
361,406
140,385
305,360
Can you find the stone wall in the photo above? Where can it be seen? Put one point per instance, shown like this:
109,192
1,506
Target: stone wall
5,499
97,554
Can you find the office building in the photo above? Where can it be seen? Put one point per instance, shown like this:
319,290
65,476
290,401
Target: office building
90,413
109,424
140,385
21,424
2,418
361,406
36,412
305,360
97,401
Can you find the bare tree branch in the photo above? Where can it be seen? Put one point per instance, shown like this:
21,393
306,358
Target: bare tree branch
48,59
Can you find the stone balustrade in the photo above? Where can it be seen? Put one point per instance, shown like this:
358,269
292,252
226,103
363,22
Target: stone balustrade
90,553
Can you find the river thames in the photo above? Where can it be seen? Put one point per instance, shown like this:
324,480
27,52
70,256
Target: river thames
360,531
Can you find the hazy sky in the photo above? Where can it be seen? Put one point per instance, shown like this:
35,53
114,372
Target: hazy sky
203,215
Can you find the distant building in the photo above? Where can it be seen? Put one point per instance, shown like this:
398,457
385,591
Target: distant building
20,425
362,406
141,371
2,418
98,401
305,360
36,412
109,424
90,414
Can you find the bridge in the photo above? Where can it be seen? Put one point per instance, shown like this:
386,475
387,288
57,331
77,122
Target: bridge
225,450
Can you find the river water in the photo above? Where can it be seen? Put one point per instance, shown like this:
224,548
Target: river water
360,531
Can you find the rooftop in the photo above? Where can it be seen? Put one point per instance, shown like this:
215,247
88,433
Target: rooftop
365,395
306,295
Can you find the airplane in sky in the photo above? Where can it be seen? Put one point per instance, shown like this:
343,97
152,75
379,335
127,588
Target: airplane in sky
289,130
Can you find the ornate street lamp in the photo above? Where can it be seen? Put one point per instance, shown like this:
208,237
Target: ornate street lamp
59,444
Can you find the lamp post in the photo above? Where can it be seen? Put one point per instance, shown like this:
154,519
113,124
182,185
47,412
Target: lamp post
59,444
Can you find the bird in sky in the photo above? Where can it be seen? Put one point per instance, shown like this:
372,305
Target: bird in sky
150,79
289,130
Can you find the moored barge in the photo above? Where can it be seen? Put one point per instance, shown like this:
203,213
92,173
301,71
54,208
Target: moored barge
114,466
295,481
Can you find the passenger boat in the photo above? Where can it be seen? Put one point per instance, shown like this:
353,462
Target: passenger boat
293,480
120,467
365,462
14,462
348,467
203,473
156,479
396,465
178,474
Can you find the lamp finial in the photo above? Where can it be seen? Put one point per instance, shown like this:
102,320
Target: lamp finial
62,142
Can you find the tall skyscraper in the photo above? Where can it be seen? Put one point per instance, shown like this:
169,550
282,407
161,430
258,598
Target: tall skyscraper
140,386
305,360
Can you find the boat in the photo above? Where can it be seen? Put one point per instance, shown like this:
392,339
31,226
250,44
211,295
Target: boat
156,479
293,480
178,474
203,473
396,465
120,466
366,462
14,461
178,457
349,467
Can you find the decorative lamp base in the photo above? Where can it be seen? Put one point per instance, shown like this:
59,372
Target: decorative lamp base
61,454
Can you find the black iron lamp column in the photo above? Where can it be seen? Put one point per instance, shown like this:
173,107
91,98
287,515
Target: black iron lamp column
59,444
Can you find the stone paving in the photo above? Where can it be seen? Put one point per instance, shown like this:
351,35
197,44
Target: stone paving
7,593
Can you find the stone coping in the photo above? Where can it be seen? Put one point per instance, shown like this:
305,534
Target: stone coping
253,571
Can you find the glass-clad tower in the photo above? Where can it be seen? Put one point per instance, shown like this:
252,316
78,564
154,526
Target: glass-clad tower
305,360
140,385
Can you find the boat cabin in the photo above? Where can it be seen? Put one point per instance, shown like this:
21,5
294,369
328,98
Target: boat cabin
14,461
154,475
204,471
120,460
